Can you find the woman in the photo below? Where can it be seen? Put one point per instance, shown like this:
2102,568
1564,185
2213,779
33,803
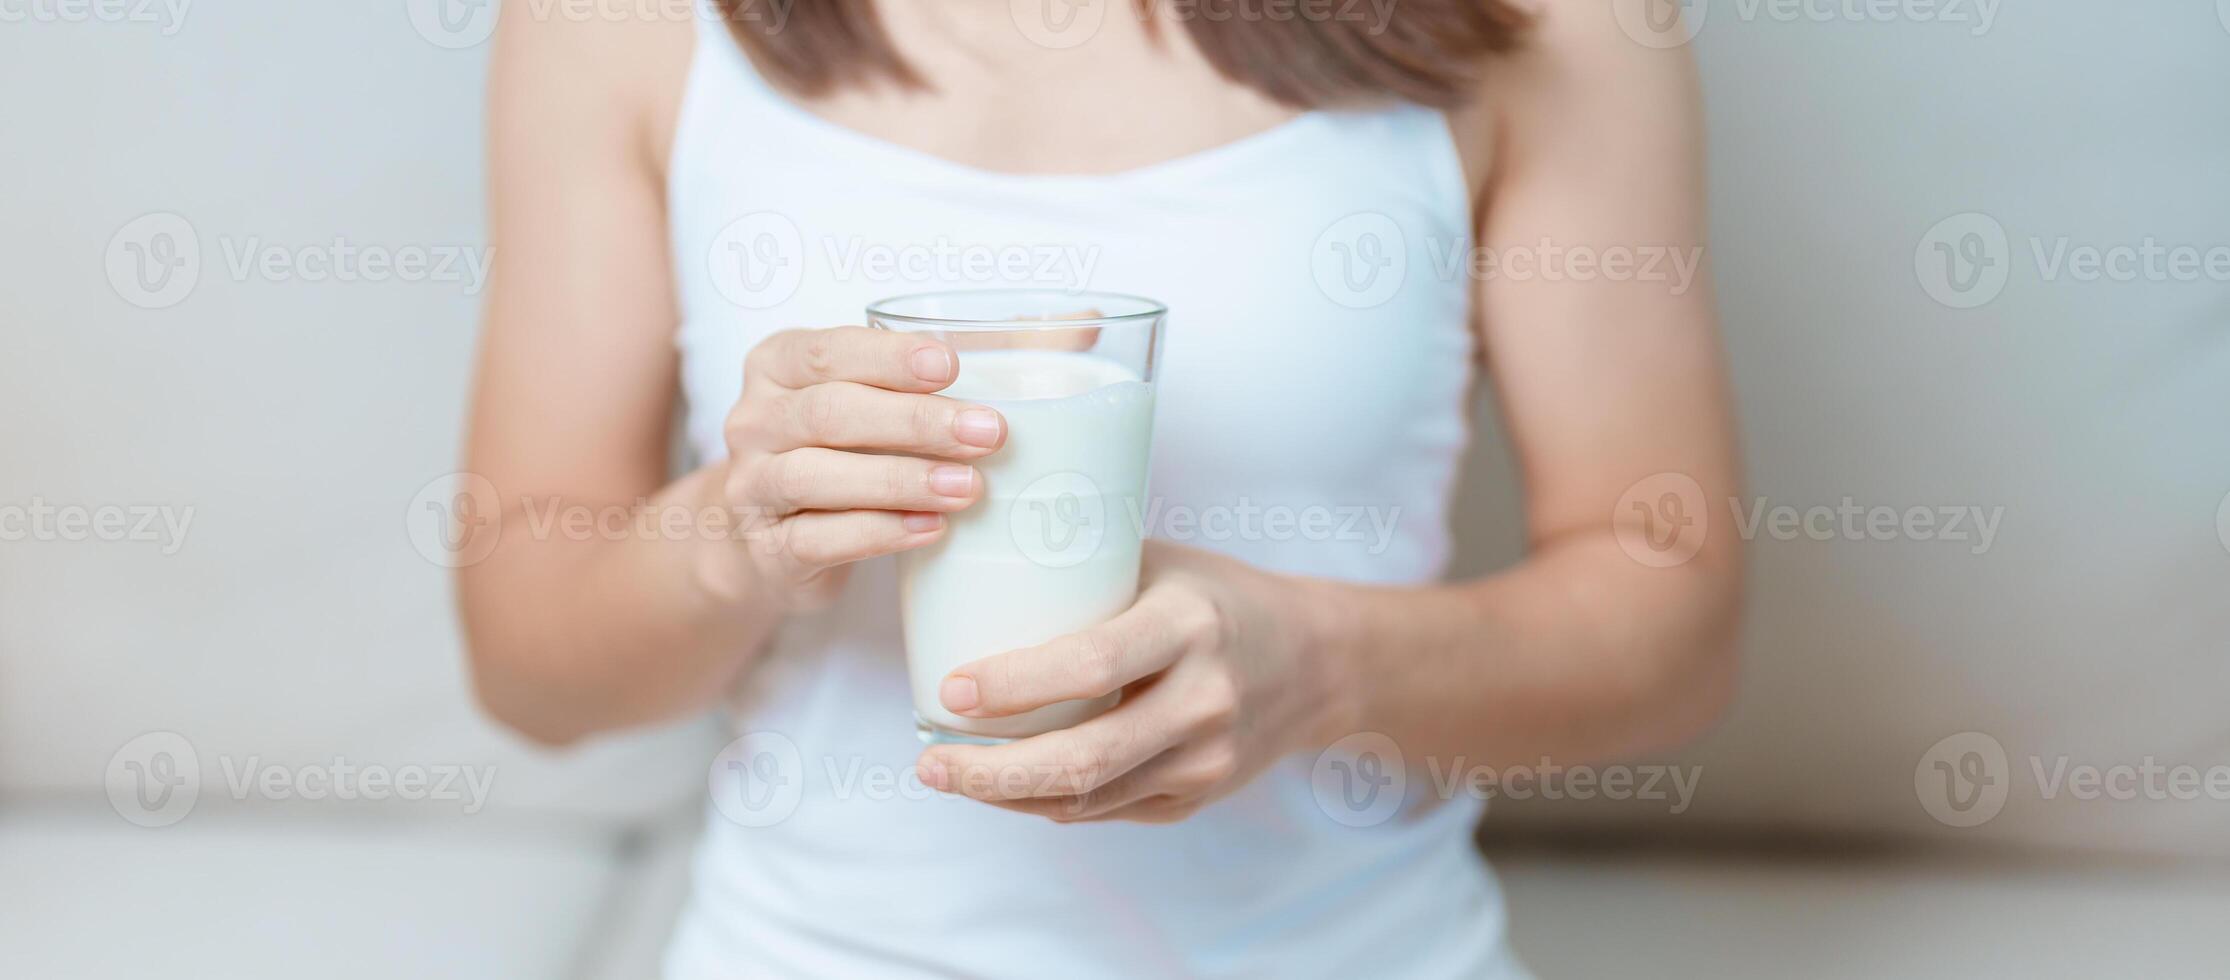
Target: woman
1346,216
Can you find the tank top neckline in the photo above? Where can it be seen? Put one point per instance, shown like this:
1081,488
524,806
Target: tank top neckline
1230,153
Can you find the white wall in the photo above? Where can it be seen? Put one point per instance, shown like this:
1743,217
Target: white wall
297,419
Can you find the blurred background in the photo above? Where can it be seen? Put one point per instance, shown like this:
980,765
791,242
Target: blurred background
1975,269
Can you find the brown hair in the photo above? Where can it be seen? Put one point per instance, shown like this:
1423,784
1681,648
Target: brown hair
1425,52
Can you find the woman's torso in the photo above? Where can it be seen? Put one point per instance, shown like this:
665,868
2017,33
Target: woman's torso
1309,419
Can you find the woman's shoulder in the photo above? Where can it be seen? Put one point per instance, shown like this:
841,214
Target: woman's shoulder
1579,66
617,66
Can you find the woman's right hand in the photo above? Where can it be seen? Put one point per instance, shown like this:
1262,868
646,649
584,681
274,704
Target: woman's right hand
838,450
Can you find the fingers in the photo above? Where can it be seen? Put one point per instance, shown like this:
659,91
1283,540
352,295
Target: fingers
1148,779
1140,642
1073,339
857,388
1153,809
815,540
1163,788
882,358
1069,762
828,479
845,415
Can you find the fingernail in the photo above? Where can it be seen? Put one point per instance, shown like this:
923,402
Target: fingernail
932,364
932,773
958,692
949,480
979,427
918,523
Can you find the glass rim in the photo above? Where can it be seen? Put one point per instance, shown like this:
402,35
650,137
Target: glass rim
880,310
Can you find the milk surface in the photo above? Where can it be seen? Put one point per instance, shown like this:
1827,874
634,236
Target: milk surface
1052,547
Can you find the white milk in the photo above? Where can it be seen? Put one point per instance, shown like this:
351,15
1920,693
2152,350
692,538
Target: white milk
1052,548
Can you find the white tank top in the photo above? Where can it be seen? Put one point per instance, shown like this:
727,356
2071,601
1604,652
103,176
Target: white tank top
1315,378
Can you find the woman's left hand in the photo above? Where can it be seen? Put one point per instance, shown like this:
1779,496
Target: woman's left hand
1218,682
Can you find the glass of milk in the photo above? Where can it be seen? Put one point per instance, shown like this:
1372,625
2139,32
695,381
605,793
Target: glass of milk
1052,547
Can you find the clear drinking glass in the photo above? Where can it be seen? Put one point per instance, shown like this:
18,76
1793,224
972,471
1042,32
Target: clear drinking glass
1052,547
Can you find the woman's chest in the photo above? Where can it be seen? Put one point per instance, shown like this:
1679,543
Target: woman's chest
1099,98
1318,337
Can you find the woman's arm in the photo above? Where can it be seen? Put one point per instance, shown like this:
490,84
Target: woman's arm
1582,651
574,394
1597,645
837,450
